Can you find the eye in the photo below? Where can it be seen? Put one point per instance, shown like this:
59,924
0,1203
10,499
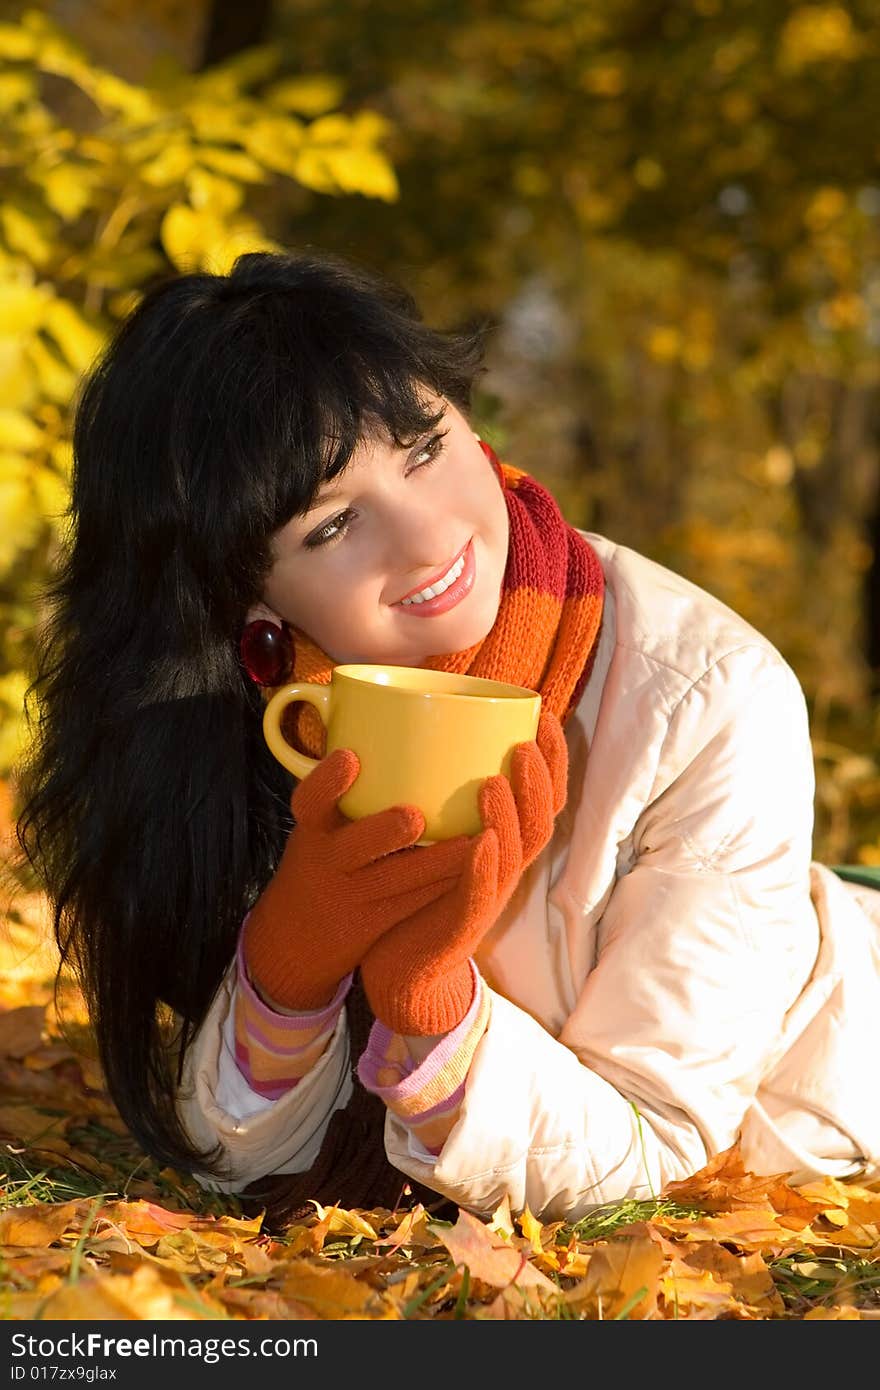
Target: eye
330,531
429,451
336,526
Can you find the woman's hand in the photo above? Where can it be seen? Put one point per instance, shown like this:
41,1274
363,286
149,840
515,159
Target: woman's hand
417,977
339,885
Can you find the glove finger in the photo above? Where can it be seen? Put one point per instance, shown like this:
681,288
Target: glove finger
533,792
403,873
358,843
473,912
499,813
429,901
550,739
419,954
443,932
314,801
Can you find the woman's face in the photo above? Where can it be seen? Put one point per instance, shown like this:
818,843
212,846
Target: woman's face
393,523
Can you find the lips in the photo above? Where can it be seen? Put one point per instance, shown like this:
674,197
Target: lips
438,575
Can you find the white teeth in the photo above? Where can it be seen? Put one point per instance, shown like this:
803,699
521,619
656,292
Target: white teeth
440,587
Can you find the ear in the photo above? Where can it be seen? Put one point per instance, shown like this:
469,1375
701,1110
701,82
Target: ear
262,610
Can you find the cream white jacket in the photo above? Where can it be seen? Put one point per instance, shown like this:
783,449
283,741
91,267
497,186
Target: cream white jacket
673,973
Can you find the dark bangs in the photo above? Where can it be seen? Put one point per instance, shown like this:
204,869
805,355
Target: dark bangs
338,355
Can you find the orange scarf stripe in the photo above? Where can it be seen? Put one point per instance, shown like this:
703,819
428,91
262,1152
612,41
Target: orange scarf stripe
549,617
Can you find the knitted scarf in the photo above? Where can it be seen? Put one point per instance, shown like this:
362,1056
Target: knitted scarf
544,638
545,634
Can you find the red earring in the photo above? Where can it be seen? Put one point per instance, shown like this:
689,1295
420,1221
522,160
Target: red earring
266,652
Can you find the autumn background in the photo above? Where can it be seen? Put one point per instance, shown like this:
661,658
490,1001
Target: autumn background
670,214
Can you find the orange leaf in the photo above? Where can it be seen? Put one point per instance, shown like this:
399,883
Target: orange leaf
725,1182
751,1228
25,1124
143,1296
494,1261
41,1224
747,1277
413,1230
21,1030
622,1278
331,1292
847,1314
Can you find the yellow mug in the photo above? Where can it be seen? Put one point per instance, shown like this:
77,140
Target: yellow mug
423,738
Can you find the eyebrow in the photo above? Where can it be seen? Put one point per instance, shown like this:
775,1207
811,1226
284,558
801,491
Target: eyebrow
320,499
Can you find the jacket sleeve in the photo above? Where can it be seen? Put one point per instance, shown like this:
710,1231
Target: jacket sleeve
702,947
257,1135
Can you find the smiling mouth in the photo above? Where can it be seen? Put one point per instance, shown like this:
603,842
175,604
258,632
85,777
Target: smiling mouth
449,588
441,574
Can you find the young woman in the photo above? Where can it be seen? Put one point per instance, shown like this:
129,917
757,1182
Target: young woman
633,966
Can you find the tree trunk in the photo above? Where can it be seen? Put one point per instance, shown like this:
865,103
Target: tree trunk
231,26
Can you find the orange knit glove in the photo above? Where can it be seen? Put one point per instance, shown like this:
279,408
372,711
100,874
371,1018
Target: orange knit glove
338,886
417,977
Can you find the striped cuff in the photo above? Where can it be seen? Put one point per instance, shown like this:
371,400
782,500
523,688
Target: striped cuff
426,1097
273,1050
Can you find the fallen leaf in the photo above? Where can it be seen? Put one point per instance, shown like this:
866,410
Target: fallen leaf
21,1030
342,1222
23,1123
751,1228
725,1183
413,1230
143,1296
37,1225
331,1292
846,1314
622,1280
495,1262
747,1276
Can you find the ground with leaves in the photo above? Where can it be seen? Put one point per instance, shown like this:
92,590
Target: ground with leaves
91,1229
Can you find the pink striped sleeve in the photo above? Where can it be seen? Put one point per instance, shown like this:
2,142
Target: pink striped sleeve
275,1050
426,1096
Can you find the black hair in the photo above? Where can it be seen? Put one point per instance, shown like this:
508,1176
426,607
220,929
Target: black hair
151,811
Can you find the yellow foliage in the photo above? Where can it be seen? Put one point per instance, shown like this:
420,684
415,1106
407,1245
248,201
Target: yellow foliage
57,381
16,44
171,165
200,240
310,96
27,234
15,89
664,343
77,339
22,307
18,430
18,382
159,180
818,34
210,191
68,188
234,163
13,728
52,495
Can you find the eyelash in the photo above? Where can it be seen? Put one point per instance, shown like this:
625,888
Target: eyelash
333,531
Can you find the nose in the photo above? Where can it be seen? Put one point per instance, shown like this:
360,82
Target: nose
417,543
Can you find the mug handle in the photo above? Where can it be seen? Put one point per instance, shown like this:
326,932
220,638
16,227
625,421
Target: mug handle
319,696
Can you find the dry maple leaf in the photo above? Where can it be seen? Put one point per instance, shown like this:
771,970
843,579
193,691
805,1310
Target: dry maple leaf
331,1292
145,1295
497,1263
21,1030
41,1224
412,1231
725,1183
622,1280
749,1228
747,1276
